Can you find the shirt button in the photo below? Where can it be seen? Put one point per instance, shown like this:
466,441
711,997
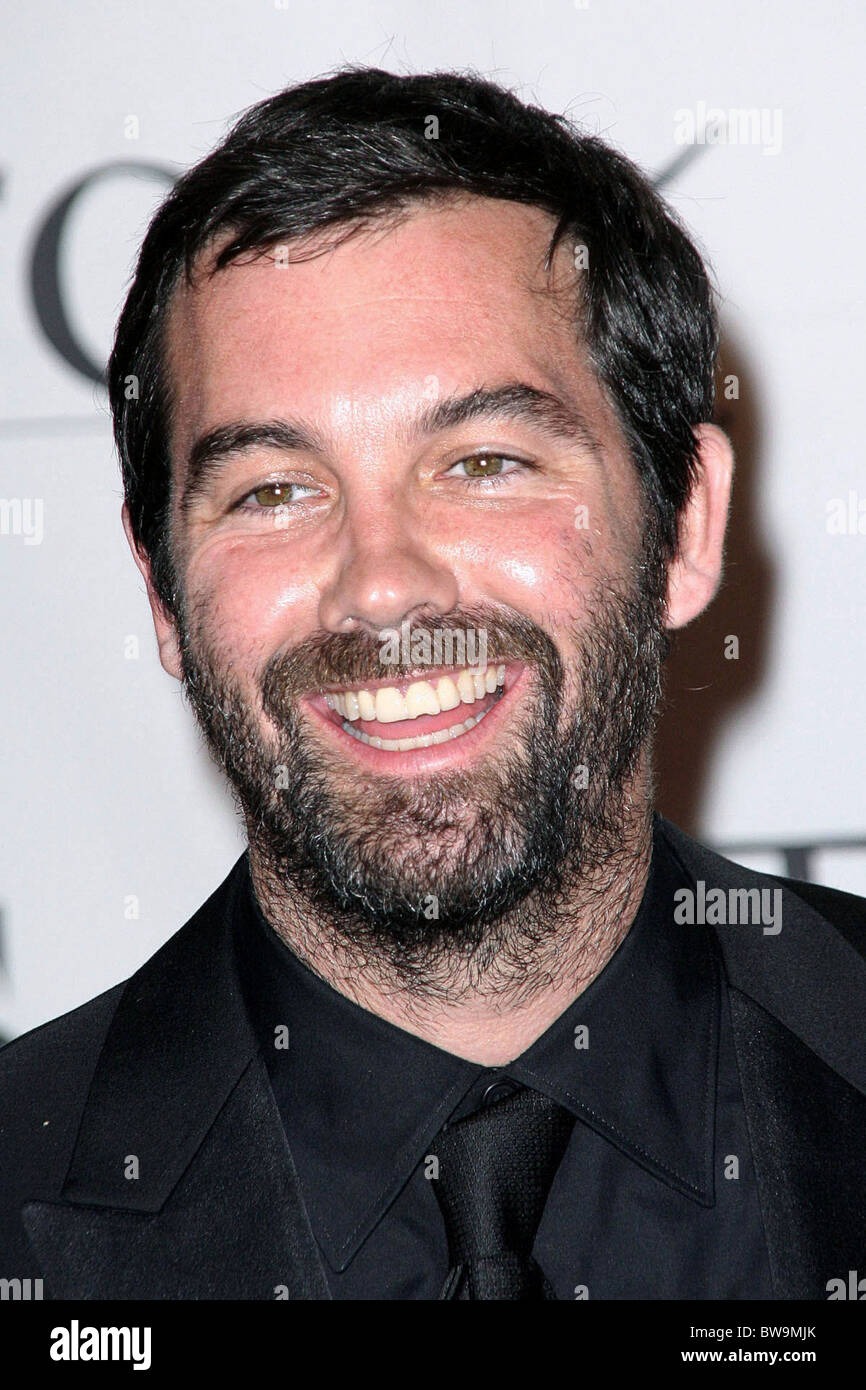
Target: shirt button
498,1090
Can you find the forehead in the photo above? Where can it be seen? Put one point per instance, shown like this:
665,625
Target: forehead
453,294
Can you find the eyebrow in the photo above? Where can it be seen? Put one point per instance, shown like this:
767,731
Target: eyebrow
515,401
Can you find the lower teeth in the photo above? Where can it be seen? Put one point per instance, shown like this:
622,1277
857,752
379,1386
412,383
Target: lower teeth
403,745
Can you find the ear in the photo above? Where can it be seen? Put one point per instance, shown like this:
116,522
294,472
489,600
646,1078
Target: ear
166,632
695,572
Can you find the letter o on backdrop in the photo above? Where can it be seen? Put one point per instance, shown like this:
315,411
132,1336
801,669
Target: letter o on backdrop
45,286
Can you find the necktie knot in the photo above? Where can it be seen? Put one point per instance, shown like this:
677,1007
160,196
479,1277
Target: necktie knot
495,1169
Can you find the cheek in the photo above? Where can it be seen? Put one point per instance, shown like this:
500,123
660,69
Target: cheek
541,567
249,599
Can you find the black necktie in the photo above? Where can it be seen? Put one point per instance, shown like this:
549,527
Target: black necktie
495,1171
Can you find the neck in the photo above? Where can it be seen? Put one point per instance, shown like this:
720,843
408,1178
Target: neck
487,1011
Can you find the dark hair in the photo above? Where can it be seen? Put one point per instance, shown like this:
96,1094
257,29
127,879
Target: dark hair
356,145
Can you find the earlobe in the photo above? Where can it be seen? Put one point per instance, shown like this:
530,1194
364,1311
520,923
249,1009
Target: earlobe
695,573
163,623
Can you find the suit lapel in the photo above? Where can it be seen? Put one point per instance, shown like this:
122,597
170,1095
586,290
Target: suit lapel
181,1184
806,1125
796,1009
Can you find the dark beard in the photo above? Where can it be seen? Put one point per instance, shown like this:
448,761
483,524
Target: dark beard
463,866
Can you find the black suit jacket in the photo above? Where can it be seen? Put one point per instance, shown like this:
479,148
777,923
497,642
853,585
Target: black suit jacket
161,1075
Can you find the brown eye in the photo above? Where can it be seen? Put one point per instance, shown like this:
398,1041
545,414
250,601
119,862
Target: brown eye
273,494
483,465
276,495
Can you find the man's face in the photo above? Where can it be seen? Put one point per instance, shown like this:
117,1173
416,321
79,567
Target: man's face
365,510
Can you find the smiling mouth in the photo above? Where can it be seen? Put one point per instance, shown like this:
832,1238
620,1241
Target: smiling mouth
414,714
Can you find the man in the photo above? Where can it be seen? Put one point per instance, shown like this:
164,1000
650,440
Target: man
412,393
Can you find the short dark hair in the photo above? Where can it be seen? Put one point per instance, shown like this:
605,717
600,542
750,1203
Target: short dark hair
356,145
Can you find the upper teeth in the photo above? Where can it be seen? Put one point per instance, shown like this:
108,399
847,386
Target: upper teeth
388,704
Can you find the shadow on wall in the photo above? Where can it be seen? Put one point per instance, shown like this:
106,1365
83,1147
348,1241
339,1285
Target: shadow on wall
704,687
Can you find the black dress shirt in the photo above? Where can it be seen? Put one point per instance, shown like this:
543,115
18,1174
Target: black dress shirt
655,1197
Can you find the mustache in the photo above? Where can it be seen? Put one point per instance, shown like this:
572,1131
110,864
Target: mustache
352,659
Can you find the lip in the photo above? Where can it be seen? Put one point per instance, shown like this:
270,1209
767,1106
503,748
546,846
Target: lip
412,762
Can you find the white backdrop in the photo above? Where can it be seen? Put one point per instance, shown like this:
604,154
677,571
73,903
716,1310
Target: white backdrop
114,825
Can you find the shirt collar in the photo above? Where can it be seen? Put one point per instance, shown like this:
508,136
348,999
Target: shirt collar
634,1057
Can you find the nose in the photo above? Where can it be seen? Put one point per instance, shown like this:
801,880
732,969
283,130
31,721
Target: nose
386,571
